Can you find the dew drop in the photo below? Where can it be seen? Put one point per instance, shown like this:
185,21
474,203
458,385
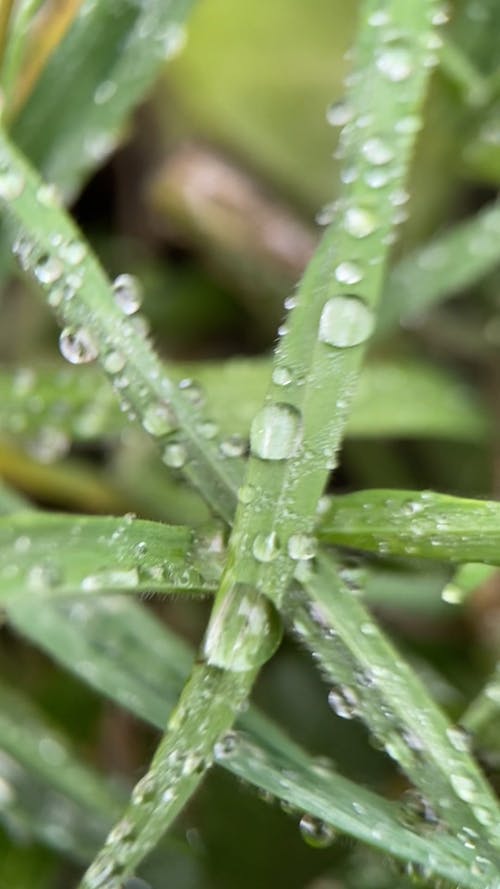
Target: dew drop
316,833
48,269
339,114
266,547
225,748
77,346
104,92
343,702
327,214
359,222
377,152
207,429
246,494
348,273
302,546
73,252
128,293
175,455
395,63
11,184
114,362
276,432
345,321
233,446
157,419
282,376
193,391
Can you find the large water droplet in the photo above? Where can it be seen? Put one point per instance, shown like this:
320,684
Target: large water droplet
266,547
77,346
359,222
345,321
276,432
316,833
128,293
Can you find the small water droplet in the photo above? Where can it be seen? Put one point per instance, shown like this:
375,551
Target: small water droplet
158,419
246,494
343,702
77,346
175,455
377,152
266,547
359,223
72,252
114,362
459,738
233,446
48,194
348,273
326,214
345,321
302,546
226,746
193,391
395,63
276,432
207,429
104,92
48,269
281,376
338,114
316,833
128,293
11,184
379,19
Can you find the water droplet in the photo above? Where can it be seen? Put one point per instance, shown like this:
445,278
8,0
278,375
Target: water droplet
345,321
408,125
11,184
226,746
193,391
173,40
207,429
395,63
379,19
376,177
233,446
327,214
316,833
158,419
359,222
104,92
282,376
464,787
128,293
77,346
344,702
459,738
48,194
377,152
302,546
348,273
72,252
276,432
48,269
246,494
339,114
175,455
114,362
266,547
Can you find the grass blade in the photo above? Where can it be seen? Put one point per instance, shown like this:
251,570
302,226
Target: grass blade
415,523
77,290
99,556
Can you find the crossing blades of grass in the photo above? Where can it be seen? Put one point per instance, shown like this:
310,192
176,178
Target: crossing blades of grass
50,407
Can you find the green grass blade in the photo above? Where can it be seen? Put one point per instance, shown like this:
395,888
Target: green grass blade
445,266
78,291
409,399
373,682
122,651
98,556
415,523
101,70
